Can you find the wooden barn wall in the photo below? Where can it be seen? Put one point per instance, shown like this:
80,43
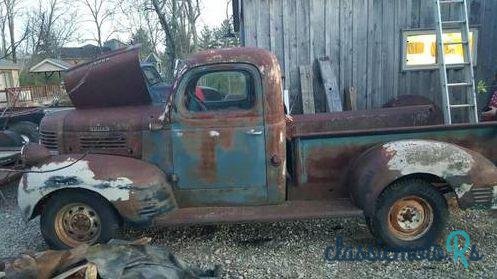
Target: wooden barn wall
363,40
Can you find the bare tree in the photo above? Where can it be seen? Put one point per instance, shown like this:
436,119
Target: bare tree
51,27
3,21
139,19
11,11
101,12
178,19
192,11
9,49
154,30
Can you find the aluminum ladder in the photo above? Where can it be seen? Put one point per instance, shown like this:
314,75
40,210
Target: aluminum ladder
468,84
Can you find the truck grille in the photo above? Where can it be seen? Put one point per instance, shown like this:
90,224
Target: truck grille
95,142
49,140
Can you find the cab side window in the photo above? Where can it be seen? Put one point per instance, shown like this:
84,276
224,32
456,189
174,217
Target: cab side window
220,91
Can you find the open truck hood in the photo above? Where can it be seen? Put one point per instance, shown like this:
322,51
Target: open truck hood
114,79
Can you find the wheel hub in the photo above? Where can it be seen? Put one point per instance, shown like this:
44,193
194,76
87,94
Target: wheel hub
410,218
81,223
77,224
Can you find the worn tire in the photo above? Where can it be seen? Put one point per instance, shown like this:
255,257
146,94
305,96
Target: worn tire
390,228
370,224
26,128
109,220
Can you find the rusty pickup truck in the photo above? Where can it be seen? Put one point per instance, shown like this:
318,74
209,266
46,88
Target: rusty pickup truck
234,157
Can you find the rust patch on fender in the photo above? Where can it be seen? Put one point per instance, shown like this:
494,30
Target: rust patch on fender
471,175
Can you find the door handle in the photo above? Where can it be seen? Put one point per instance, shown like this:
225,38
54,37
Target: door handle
254,132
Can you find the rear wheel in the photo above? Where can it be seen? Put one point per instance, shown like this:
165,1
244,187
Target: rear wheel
410,214
70,219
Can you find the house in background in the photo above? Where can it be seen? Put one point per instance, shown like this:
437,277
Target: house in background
49,67
383,48
31,95
9,74
114,44
79,55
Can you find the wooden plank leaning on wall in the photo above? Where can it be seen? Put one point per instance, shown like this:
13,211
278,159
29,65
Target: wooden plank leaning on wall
330,83
306,77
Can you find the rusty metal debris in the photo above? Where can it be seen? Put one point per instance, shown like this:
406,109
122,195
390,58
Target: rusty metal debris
10,157
117,259
33,154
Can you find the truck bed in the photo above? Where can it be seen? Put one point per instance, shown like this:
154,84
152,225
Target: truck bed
323,150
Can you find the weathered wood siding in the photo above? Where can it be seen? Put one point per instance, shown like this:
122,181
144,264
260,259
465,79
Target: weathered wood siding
363,38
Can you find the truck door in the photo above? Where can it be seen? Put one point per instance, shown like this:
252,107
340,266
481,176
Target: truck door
218,137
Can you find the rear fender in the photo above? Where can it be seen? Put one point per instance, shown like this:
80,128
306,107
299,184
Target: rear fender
138,190
470,175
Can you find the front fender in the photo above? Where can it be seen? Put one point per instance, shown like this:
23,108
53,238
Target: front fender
138,190
472,176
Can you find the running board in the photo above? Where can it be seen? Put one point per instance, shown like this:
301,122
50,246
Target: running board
291,210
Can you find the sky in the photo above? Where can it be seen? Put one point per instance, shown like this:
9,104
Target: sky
213,12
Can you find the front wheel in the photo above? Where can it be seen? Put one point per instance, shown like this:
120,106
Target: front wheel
410,214
70,219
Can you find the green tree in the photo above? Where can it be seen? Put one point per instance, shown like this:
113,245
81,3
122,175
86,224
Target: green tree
224,35
219,37
207,40
140,36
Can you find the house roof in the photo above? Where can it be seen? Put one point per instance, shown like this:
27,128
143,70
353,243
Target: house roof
152,58
114,44
50,65
8,65
86,52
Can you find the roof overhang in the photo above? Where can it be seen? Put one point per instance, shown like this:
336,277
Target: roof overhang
50,65
9,66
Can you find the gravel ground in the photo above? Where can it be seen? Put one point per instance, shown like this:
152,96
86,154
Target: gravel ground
277,250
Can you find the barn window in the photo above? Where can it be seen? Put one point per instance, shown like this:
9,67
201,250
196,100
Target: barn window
419,49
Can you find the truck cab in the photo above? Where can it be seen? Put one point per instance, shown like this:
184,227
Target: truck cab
221,150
